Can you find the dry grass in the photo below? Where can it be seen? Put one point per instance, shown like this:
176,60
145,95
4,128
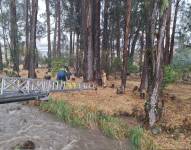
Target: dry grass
107,101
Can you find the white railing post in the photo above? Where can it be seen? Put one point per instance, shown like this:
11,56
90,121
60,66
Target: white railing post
2,86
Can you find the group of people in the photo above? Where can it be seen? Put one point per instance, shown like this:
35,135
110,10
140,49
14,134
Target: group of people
64,74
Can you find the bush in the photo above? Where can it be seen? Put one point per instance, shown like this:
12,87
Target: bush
116,65
132,68
57,64
170,75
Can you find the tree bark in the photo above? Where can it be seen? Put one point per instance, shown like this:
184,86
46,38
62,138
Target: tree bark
32,51
13,36
27,33
71,48
96,39
105,41
134,42
126,42
87,39
167,42
1,59
55,34
48,33
158,78
118,35
58,51
173,32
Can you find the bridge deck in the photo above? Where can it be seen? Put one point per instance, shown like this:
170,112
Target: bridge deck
22,89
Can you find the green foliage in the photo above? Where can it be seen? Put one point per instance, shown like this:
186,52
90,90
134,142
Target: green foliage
163,5
57,64
182,59
116,65
170,75
132,68
136,135
113,127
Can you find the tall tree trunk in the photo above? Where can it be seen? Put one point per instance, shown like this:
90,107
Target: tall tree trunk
1,59
158,77
32,49
167,42
118,35
58,51
71,48
55,34
96,40
4,37
173,31
126,42
48,33
87,40
78,56
148,69
105,41
134,42
27,31
13,36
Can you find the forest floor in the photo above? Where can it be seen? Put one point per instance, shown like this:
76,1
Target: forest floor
176,120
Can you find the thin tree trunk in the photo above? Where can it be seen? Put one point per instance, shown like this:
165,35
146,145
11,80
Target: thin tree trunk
134,42
78,56
105,41
1,59
58,51
71,48
96,39
158,78
48,33
173,32
87,40
32,50
55,34
13,36
126,42
118,34
167,42
27,31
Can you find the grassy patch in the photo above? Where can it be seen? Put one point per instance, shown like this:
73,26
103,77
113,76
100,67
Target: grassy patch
88,117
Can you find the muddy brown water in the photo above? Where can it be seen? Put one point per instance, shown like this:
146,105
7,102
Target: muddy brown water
19,123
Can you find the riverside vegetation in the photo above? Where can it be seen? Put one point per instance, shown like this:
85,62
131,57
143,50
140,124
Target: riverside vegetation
89,117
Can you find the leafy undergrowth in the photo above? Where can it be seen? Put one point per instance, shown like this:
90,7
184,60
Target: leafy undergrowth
89,117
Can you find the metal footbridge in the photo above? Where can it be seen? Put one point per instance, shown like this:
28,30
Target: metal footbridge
22,89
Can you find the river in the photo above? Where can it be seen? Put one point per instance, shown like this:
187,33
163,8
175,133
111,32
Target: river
19,123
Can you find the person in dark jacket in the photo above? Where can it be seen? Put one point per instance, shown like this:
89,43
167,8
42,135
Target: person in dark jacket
62,75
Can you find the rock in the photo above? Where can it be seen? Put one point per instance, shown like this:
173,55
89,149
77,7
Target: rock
156,130
27,145
173,97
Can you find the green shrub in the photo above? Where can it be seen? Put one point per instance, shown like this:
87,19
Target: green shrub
170,75
116,65
111,126
57,64
132,68
136,135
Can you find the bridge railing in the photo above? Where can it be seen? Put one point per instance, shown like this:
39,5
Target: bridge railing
32,86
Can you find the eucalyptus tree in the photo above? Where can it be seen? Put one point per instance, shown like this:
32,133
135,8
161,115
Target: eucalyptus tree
14,36
126,42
